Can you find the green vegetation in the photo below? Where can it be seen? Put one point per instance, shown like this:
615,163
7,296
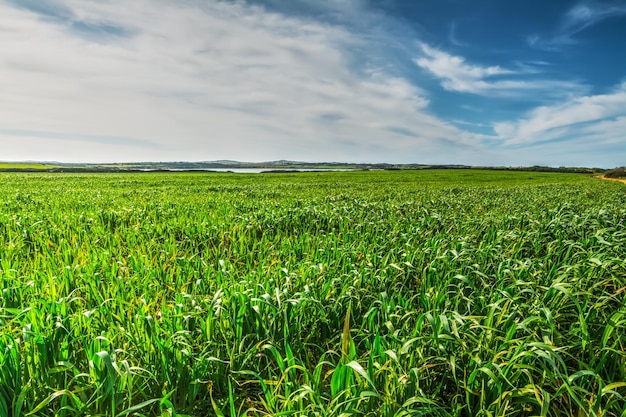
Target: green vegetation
443,293
26,166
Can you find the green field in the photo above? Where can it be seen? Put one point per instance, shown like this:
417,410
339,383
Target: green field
405,293
26,166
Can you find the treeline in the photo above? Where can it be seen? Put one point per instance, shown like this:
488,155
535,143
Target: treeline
616,173
288,165
537,168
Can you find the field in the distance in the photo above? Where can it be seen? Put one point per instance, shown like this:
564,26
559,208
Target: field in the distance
26,166
451,293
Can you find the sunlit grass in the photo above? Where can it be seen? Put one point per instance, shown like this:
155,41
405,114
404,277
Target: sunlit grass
26,165
452,293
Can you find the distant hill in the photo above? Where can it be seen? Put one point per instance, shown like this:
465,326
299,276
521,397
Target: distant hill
34,166
616,173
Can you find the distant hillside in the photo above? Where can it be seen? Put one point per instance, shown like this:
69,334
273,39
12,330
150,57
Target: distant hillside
616,173
32,166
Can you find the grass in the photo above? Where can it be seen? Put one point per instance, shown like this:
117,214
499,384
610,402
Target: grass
26,165
450,293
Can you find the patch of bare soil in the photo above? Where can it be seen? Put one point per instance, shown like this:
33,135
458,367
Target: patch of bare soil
602,177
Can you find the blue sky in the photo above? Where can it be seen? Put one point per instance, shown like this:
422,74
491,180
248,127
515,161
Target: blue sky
483,82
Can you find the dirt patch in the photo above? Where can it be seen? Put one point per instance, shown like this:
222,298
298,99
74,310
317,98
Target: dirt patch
602,177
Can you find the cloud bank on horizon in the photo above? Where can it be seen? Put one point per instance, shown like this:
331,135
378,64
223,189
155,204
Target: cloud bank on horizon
439,81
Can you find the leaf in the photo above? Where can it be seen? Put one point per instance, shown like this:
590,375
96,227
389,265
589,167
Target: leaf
139,406
611,387
345,337
596,261
359,370
49,399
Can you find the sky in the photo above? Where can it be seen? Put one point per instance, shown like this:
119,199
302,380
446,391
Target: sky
481,82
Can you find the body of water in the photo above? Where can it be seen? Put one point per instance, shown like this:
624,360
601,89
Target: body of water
260,170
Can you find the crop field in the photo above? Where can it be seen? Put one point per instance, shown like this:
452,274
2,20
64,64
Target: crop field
402,293
26,165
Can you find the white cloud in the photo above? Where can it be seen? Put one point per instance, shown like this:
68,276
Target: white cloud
597,118
458,75
576,19
201,81
452,37
585,14
155,80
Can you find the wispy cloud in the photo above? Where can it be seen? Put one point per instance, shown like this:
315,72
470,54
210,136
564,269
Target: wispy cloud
266,79
457,74
219,80
106,140
576,19
57,12
596,118
452,35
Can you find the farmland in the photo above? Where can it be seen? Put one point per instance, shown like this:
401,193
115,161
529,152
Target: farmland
445,293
